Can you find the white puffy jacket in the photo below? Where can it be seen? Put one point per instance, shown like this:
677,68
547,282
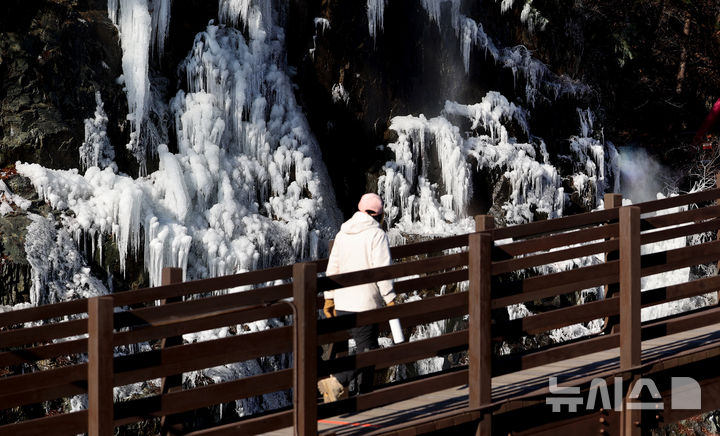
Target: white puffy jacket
360,244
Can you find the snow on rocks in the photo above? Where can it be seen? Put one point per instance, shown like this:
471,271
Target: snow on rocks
428,185
96,150
58,267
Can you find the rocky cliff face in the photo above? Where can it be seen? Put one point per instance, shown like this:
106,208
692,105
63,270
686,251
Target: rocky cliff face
410,70
353,81
631,57
56,54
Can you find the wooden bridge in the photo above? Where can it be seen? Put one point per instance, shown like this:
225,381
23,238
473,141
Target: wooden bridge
51,353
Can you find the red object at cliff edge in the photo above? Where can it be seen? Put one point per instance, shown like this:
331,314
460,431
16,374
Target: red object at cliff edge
709,122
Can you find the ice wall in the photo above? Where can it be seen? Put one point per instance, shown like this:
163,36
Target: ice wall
428,184
247,187
596,163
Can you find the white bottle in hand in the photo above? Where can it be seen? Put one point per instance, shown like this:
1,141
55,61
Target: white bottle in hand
396,330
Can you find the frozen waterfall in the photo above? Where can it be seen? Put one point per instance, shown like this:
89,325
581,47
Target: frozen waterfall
246,189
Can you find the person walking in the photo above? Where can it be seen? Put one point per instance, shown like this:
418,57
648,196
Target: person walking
360,244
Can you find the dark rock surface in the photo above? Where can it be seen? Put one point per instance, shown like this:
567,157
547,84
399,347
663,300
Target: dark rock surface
15,274
54,56
15,271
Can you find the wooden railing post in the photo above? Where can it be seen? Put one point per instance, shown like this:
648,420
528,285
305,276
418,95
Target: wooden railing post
479,333
717,202
629,287
610,325
100,366
484,222
305,348
171,424
630,339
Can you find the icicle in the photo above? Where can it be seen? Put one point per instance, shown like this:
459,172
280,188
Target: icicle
506,5
234,12
434,10
469,35
339,94
96,150
160,25
375,14
322,23
586,121
134,24
532,18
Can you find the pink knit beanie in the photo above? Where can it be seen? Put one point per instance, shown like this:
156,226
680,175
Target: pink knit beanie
371,202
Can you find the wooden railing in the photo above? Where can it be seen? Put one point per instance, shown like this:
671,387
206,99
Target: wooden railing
89,347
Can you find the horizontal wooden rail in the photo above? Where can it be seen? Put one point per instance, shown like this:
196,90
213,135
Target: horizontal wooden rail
679,323
208,305
45,385
546,227
204,396
431,281
680,200
679,232
558,240
398,354
554,284
183,358
670,293
394,271
581,346
201,322
669,260
127,298
42,352
428,247
263,423
66,423
455,303
680,218
57,310
505,266
533,358
43,333
393,394
558,318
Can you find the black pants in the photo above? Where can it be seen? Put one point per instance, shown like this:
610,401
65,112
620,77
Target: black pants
366,339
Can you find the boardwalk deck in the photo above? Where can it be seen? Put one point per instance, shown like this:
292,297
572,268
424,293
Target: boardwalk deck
506,387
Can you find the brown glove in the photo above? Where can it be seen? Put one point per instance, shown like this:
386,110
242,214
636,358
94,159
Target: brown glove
329,308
